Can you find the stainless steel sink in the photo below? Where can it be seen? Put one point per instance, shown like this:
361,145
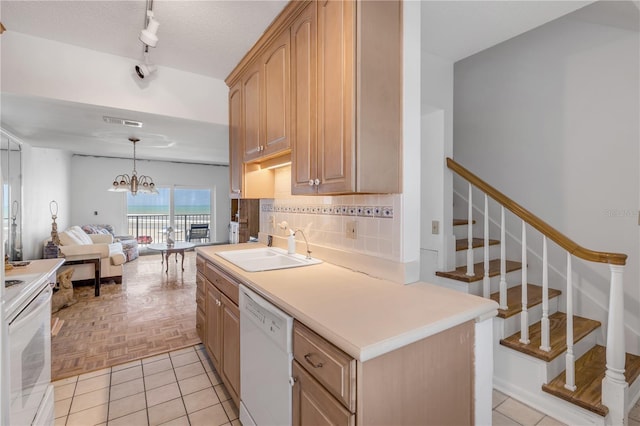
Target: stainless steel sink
266,259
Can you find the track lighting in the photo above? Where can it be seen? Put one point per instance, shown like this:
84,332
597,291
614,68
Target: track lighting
145,69
148,35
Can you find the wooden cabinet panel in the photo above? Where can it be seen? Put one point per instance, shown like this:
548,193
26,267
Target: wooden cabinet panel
213,340
313,405
303,101
236,134
335,100
328,364
201,321
231,347
276,95
251,88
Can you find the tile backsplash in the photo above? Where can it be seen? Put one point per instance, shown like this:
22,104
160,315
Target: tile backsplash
324,219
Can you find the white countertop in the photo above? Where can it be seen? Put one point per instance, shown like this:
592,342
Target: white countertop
364,316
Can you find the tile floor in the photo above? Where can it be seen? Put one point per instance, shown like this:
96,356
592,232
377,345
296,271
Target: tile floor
175,388
182,388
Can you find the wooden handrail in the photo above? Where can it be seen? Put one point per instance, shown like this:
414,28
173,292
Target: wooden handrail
543,227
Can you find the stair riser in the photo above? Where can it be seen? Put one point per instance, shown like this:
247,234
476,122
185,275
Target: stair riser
558,365
511,325
460,231
513,279
478,255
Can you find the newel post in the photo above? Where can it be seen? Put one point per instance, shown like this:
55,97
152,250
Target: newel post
614,385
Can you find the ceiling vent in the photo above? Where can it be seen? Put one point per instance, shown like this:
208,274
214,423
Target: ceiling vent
122,121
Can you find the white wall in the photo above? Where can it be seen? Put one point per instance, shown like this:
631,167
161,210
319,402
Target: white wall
551,119
92,176
34,66
46,177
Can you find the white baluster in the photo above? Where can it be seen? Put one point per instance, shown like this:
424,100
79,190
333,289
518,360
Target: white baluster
545,344
570,360
503,262
614,385
524,316
470,272
486,280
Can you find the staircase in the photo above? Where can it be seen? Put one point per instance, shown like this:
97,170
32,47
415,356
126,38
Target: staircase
544,353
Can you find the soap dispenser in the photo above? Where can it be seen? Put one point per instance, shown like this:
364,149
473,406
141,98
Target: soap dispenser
291,242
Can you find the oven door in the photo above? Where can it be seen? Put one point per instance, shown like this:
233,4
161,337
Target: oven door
30,358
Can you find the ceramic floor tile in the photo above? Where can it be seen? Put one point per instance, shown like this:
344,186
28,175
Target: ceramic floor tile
182,351
189,370
498,419
167,411
155,358
126,365
89,417
635,412
222,392
195,383
498,398
519,412
129,374
181,421
63,391
548,421
92,384
160,379
157,366
162,394
94,374
236,422
66,381
213,376
184,359
139,418
60,421
125,389
129,405
633,422
90,399
211,416
230,408
201,399
61,407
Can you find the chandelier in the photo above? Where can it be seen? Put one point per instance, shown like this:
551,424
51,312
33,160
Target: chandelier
134,183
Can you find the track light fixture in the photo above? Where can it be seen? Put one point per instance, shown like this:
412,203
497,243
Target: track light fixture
148,35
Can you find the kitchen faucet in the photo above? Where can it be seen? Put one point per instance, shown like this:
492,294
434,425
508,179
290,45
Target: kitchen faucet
305,241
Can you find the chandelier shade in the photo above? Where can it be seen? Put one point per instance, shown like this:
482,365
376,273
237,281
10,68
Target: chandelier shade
134,183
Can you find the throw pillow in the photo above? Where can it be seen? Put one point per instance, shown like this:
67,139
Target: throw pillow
74,236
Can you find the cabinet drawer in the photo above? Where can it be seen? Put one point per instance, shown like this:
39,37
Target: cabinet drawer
328,364
313,405
224,284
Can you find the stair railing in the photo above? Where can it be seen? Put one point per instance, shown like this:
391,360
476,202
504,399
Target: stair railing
614,385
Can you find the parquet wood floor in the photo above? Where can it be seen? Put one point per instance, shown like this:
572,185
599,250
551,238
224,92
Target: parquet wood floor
149,313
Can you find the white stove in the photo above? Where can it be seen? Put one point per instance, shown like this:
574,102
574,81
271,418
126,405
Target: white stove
17,296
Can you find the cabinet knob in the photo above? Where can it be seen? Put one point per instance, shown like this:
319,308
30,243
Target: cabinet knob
317,182
311,182
218,302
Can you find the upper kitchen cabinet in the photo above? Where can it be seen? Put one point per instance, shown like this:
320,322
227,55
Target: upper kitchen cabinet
235,139
355,142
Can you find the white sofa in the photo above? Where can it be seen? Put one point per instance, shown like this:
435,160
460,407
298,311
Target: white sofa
74,241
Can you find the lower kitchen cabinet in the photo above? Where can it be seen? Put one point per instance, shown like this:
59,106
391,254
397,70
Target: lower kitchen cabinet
221,325
314,405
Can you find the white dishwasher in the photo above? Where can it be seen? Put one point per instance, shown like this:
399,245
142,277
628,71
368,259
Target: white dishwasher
265,362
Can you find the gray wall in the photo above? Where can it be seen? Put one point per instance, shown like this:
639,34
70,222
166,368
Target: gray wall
551,119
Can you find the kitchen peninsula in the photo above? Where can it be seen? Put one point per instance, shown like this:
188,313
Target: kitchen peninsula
403,354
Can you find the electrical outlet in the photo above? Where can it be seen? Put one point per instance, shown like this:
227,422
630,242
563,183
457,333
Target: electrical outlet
435,227
352,229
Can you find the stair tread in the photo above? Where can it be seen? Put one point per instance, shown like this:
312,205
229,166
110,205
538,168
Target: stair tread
460,273
557,336
463,243
459,222
514,299
590,370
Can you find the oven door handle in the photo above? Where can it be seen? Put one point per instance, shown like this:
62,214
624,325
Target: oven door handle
33,309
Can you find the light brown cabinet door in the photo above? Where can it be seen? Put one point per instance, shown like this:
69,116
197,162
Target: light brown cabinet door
303,102
313,405
231,347
336,96
235,140
276,95
251,83
213,327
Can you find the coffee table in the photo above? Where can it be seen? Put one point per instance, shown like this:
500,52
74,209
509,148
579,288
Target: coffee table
178,247
94,258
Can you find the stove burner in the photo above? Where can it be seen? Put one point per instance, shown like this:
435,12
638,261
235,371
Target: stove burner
9,283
